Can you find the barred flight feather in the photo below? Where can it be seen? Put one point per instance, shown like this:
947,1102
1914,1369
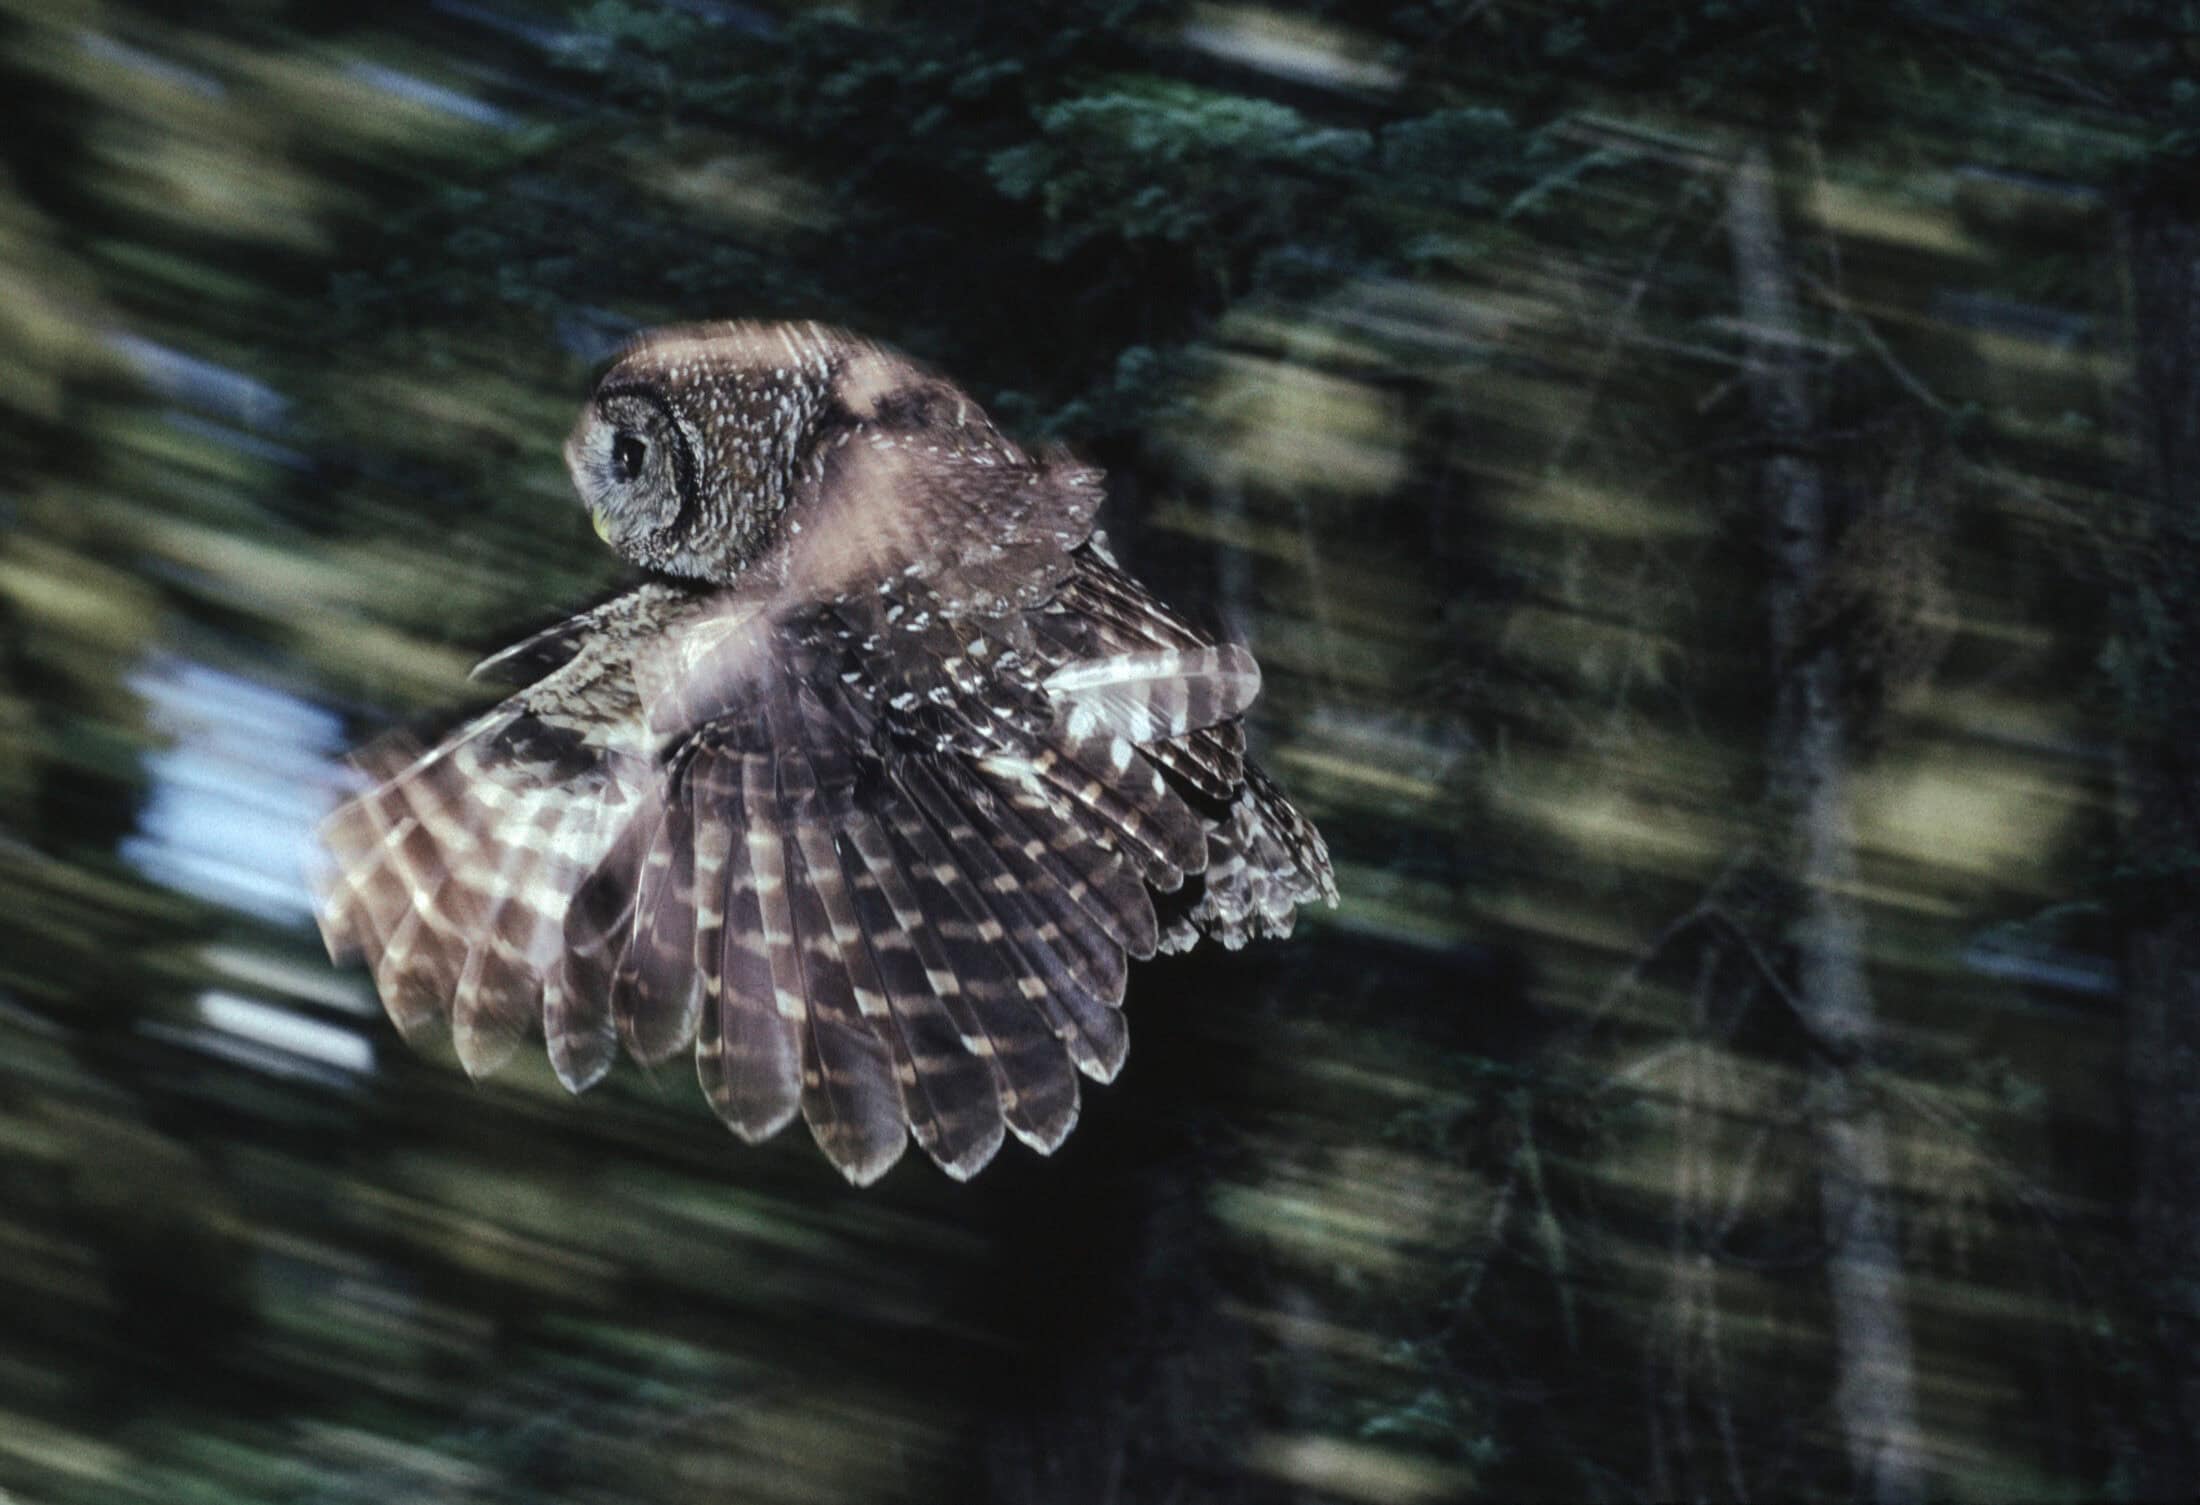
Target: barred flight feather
654,992
1033,1078
950,1093
1070,995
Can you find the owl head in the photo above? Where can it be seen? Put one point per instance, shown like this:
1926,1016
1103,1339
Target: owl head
701,439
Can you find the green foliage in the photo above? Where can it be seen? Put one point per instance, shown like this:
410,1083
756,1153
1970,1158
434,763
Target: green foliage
1142,160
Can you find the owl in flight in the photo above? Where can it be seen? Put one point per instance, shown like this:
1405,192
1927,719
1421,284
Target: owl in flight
866,791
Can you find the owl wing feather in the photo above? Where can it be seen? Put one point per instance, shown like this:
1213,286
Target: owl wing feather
452,870
882,856
891,921
1264,859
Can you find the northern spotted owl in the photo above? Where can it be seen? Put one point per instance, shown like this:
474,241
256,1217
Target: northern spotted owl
867,790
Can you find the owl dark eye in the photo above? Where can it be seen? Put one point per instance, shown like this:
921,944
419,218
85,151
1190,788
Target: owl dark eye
627,453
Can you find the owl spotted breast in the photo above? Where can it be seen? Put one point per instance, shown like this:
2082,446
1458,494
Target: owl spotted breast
867,793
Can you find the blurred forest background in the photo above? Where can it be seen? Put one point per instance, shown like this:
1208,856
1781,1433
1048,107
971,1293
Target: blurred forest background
1715,488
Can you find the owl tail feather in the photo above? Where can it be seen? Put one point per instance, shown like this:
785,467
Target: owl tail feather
1264,860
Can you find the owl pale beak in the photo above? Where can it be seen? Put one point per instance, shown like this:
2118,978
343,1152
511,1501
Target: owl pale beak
602,523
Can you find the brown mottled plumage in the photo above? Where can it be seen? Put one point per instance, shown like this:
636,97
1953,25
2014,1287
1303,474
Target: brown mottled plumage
866,792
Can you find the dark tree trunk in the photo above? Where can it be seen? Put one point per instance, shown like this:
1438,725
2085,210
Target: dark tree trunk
1124,1379
2162,812
1808,758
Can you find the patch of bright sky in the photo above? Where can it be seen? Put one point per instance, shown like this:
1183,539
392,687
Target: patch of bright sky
247,772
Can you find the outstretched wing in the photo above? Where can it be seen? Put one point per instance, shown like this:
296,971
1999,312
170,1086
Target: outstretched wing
450,872
902,855
880,845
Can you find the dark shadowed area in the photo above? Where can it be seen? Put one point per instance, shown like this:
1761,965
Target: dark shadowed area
1714,491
